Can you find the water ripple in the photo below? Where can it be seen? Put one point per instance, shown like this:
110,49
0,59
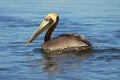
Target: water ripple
12,21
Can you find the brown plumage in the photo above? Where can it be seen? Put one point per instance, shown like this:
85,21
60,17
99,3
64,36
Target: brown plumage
66,42
62,43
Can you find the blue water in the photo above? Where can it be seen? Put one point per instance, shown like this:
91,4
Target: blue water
98,20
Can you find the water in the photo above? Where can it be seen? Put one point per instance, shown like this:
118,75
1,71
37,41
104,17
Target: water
98,20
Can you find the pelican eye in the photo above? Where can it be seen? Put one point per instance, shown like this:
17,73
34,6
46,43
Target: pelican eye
48,19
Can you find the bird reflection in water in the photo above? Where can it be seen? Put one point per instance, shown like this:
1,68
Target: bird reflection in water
58,64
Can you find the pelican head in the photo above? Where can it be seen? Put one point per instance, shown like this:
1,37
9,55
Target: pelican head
46,24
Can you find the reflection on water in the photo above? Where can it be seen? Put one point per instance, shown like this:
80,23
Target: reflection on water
54,64
74,64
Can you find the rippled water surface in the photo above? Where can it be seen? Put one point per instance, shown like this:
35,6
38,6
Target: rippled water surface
98,20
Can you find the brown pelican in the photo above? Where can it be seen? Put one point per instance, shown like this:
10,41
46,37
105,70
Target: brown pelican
62,43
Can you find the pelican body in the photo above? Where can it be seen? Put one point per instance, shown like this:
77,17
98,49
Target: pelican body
62,43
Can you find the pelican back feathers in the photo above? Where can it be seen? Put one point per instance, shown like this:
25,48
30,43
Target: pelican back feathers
66,42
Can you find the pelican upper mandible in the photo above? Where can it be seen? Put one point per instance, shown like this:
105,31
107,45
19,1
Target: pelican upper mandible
62,43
